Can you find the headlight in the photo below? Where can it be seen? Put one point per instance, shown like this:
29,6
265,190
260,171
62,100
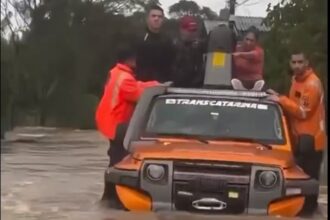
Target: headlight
267,179
155,172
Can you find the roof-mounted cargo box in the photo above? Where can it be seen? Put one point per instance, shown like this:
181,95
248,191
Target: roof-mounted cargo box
218,66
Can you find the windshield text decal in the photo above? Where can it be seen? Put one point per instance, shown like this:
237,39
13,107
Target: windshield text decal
215,103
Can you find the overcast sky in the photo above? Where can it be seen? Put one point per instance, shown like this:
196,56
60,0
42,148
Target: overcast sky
256,8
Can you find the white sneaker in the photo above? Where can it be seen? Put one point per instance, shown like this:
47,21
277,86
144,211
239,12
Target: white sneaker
237,84
258,85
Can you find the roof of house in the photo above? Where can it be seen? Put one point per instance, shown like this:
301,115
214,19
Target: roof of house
242,23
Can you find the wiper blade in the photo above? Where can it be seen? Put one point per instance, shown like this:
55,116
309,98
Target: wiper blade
191,137
202,141
269,147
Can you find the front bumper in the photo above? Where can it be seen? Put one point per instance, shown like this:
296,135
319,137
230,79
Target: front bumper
164,197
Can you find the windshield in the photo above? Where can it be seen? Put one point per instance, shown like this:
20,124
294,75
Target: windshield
215,119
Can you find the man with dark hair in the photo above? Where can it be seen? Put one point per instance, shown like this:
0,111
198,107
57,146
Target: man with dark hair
305,107
249,61
155,52
121,93
187,68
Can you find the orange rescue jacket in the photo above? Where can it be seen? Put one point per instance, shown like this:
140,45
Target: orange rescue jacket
121,93
306,107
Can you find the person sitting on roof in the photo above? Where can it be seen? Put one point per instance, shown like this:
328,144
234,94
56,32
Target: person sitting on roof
248,60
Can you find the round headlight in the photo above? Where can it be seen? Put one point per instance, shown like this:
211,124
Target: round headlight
155,172
267,179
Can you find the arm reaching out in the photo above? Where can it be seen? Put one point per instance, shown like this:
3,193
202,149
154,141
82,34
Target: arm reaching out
255,55
310,99
132,89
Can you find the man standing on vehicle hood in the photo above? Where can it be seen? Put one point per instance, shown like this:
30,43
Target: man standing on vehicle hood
155,52
305,106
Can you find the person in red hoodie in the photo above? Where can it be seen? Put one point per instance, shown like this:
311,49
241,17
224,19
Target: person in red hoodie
121,93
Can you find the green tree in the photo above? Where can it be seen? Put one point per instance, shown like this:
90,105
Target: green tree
296,24
207,13
57,69
184,7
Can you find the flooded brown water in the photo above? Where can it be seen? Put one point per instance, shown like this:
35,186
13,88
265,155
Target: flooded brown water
49,173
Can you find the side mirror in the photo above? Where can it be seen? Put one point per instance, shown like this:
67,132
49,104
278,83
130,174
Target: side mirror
306,144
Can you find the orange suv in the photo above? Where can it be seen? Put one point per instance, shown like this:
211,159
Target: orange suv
204,150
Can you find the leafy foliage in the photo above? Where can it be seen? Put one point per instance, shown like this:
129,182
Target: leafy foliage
184,7
54,73
296,24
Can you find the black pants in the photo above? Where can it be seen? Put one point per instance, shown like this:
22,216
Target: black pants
311,164
116,151
249,84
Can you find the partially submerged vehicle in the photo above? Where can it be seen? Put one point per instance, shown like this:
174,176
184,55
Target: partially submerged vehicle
214,150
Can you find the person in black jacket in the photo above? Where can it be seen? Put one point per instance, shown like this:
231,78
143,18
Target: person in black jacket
188,66
155,51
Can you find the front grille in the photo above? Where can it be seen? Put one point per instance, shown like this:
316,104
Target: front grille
224,182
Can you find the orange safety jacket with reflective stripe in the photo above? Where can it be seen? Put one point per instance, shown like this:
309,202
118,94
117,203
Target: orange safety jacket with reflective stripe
305,106
121,93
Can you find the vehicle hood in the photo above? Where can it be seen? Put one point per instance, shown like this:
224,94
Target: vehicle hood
226,151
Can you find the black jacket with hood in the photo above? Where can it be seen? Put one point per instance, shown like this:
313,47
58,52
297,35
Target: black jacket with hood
188,66
154,57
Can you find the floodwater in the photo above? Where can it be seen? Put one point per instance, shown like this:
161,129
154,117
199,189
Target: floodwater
49,173
55,175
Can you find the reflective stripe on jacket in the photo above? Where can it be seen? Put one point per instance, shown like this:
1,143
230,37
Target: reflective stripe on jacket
121,93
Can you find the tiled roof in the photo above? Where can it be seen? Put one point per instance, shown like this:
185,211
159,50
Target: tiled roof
209,25
242,23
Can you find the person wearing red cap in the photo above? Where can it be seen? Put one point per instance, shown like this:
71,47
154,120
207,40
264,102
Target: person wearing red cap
187,68
188,28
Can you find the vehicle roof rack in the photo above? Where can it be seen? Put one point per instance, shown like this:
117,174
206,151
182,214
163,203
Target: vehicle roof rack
217,92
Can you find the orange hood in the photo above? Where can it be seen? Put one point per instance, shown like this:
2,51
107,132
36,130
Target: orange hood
220,151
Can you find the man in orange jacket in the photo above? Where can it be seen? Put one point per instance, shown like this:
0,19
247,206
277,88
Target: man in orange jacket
305,107
121,93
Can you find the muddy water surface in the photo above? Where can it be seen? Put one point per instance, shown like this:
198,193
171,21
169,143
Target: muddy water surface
49,173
